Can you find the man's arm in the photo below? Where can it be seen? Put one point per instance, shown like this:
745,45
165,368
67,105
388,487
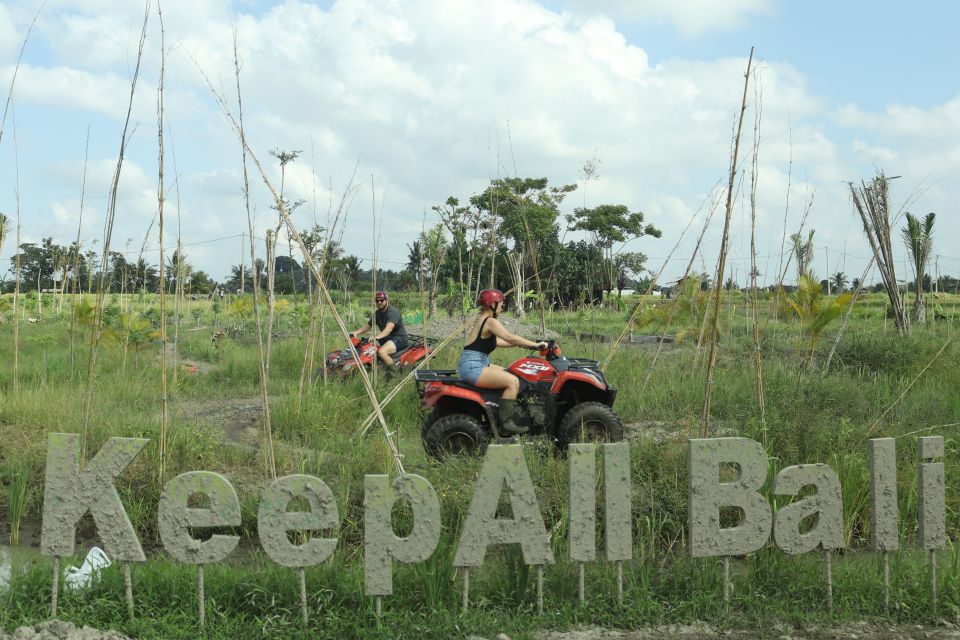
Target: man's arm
362,330
387,330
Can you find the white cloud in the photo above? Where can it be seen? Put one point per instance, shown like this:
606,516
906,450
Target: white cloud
690,17
434,99
9,37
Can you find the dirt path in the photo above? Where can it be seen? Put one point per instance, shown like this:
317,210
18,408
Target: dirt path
238,418
57,630
699,631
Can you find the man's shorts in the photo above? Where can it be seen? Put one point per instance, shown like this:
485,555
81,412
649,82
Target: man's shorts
399,343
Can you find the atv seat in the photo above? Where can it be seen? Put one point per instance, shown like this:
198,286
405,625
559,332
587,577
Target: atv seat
451,377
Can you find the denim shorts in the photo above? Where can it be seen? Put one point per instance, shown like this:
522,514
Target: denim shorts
471,365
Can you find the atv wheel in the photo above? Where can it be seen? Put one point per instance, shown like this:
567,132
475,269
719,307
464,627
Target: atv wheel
589,422
455,434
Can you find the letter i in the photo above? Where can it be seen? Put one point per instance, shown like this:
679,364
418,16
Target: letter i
930,480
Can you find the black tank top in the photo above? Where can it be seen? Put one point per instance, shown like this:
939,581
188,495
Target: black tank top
483,345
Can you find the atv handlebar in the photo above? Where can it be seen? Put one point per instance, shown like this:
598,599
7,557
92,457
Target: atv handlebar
551,352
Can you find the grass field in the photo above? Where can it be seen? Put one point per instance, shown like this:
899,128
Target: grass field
812,415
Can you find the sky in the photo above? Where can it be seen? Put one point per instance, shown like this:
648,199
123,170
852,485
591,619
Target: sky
422,100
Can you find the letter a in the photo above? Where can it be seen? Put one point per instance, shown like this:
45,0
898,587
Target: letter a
504,464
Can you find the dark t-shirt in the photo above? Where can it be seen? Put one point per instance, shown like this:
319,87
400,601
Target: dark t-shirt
391,314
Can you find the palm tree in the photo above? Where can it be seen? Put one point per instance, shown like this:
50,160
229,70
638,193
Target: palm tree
839,281
803,252
918,236
814,311
4,228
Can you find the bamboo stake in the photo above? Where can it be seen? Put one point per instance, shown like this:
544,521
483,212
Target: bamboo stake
755,314
291,228
726,579
14,382
302,579
111,214
164,400
76,262
270,470
201,597
128,589
55,587
846,316
676,300
653,283
711,361
373,278
16,70
828,571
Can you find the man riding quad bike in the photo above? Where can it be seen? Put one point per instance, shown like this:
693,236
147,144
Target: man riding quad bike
341,363
565,399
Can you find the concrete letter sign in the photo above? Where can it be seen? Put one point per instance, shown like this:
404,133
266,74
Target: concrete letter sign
381,544
175,518
826,504
274,521
930,479
69,493
616,487
503,465
883,494
708,495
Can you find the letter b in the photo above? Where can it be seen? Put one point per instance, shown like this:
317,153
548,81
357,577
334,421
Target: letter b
708,495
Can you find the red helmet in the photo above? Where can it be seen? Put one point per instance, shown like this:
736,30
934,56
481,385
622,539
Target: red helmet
380,295
489,297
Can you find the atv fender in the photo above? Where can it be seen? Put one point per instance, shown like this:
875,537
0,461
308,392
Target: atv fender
453,399
570,376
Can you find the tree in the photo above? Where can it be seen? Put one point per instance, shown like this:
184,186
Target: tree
236,277
609,224
628,265
802,252
918,236
200,282
4,229
39,264
434,251
527,209
810,306
839,281
872,202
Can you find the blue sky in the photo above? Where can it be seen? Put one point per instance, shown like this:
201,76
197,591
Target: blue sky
421,96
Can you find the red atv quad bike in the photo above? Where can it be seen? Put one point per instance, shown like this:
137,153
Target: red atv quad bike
565,399
341,363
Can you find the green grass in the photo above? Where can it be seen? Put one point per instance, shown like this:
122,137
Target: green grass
812,416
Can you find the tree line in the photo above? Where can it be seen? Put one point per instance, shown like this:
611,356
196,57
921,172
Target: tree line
510,236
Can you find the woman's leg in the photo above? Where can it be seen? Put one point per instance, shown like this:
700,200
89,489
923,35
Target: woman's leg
493,377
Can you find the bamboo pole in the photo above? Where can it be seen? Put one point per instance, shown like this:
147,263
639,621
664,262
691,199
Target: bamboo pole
711,361
14,382
754,301
111,215
164,400
291,228
676,300
653,283
76,261
264,398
